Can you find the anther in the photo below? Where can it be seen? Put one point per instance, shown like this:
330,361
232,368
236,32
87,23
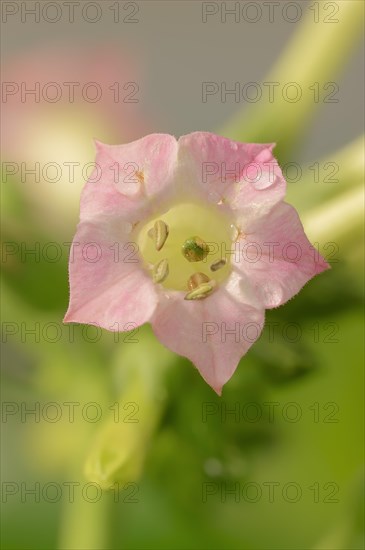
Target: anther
201,291
218,265
160,271
196,280
159,233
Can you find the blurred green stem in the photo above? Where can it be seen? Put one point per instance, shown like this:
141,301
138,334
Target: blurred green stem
85,523
336,174
333,211
119,448
314,57
336,220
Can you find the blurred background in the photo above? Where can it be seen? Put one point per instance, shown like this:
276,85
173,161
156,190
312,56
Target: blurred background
111,441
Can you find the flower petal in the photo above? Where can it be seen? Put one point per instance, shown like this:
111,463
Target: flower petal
244,176
213,333
108,287
276,256
129,179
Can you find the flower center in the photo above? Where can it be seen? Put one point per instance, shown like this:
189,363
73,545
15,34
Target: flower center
187,248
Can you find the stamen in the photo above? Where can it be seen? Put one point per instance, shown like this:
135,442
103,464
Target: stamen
196,280
195,249
200,292
159,233
218,265
176,234
160,271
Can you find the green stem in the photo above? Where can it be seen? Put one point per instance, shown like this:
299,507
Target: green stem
338,219
315,54
84,523
337,174
120,446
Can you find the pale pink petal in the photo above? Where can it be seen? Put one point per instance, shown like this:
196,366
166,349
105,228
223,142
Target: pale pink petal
213,333
276,256
108,286
130,180
242,176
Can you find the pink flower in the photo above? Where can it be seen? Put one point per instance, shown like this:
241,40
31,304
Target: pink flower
55,100
193,237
